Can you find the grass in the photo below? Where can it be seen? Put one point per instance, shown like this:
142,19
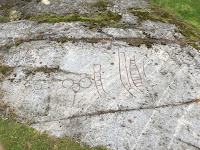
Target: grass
157,13
17,136
187,10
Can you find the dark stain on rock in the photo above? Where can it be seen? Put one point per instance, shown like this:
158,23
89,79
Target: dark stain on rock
109,48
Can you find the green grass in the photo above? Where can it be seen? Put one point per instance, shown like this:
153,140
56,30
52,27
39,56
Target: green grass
16,136
156,13
187,10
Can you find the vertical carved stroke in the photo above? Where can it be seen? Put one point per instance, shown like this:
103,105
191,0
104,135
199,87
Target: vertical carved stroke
135,74
120,74
98,79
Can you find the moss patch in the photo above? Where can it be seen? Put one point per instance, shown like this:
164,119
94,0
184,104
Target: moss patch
6,46
146,14
4,16
121,26
18,42
8,9
46,70
101,5
148,42
194,45
94,19
159,14
4,70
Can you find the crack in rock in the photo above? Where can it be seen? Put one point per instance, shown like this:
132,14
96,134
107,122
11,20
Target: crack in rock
104,112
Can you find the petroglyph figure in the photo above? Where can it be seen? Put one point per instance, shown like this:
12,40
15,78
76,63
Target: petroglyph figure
131,80
98,80
76,85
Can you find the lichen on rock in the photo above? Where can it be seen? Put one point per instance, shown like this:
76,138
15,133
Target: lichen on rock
122,78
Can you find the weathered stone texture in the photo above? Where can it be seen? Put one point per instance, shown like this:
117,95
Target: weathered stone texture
94,85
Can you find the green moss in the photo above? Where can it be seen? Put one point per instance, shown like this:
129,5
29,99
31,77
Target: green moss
9,46
195,46
159,14
101,5
18,42
8,6
43,69
4,70
153,30
146,16
4,15
6,46
188,31
46,70
92,20
1,47
148,43
63,40
121,26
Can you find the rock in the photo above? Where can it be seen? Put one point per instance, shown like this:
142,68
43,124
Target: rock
99,90
161,30
97,86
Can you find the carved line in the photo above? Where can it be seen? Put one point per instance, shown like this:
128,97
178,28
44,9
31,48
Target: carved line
147,126
74,88
86,86
95,81
120,74
136,78
67,80
126,69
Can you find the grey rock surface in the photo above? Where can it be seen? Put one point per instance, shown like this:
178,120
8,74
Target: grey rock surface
81,6
99,88
161,30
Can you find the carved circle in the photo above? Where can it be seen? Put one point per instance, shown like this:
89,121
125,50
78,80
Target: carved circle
76,87
67,83
85,83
